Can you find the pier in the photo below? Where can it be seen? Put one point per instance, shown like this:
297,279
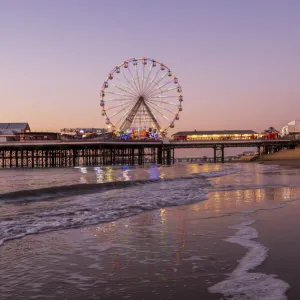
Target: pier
105,153
72,154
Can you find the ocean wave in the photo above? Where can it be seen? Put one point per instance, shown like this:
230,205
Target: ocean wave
105,206
43,194
80,205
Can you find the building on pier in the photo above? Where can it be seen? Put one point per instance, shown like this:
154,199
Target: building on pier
35,136
9,131
84,133
215,135
15,127
291,130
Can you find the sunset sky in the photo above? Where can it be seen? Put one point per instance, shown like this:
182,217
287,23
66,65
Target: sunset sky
238,61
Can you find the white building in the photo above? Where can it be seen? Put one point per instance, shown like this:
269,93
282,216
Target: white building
292,128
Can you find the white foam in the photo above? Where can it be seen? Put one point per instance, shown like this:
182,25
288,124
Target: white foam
242,285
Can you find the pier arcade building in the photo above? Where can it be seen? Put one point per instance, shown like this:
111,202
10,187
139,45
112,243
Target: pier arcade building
215,135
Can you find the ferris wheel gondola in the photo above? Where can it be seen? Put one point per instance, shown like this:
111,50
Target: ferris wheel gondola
141,93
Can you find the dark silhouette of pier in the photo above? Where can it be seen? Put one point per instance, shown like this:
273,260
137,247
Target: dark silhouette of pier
104,153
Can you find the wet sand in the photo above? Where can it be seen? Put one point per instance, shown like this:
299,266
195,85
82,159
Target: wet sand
279,230
165,254
285,162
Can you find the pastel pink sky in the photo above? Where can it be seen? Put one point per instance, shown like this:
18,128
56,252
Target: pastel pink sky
237,61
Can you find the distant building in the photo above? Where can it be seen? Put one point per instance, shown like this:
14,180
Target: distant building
81,131
215,135
8,131
291,129
15,127
26,136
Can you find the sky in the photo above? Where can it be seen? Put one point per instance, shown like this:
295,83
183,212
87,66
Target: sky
237,60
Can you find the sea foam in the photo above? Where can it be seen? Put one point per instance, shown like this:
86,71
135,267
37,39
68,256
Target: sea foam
243,285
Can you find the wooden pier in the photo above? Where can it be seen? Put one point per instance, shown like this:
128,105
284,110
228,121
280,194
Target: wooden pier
50,155
104,153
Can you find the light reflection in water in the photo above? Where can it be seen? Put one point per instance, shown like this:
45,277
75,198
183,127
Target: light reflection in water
217,201
99,175
223,201
83,170
287,193
154,173
162,215
108,175
124,174
162,175
83,180
193,168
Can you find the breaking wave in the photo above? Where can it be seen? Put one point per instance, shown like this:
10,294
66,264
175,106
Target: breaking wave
89,204
55,192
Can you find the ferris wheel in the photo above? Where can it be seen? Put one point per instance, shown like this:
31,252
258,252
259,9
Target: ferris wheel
141,93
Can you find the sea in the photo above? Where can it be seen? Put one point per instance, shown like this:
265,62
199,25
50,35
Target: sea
162,232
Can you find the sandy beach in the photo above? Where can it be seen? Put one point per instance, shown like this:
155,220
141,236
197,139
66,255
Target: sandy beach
289,158
284,155
284,158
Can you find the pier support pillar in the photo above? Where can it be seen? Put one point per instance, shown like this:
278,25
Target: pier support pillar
140,156
168,156
219,154
159,156
260,150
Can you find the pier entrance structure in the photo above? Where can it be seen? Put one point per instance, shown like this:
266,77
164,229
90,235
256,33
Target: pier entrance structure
141,94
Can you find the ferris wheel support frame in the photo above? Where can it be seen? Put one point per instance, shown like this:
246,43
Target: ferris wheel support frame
128,121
